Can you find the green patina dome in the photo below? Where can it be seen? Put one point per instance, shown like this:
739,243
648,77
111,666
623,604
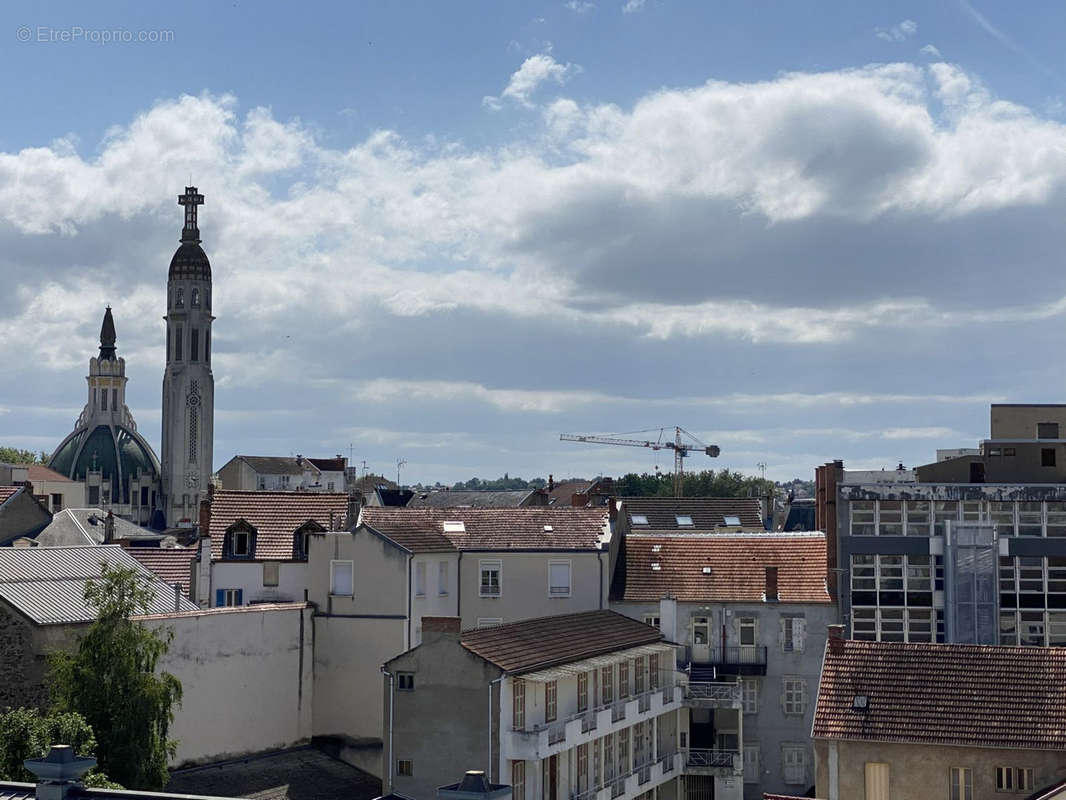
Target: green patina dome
117,452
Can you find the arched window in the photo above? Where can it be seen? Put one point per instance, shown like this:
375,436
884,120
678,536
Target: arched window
207,298
195,298
181,298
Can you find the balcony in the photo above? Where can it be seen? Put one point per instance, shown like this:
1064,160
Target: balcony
717,694
713,762
729,660
642,778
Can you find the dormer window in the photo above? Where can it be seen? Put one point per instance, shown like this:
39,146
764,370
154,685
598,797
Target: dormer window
639,519
242,543
301,539
239,541
683,521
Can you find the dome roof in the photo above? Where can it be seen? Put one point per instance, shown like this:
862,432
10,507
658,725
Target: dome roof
190,263
117,452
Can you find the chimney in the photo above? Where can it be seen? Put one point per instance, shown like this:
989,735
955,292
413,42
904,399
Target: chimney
836,637
436,628
668,617
109,528
771,585
205,513
177,597
203,573
59,773
551,486
353,510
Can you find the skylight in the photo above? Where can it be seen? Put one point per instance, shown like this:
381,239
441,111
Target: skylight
706,570
455,527
548,528
639,519
655,566
732,521
684,520
655,548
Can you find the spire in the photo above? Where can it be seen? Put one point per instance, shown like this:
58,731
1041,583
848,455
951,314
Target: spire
191,199
107,337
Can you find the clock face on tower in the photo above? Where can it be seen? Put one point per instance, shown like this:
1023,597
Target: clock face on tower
193,481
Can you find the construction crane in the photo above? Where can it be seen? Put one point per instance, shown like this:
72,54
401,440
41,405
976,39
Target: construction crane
681,448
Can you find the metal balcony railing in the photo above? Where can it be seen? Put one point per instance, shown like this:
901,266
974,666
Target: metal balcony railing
711,758
739,654
713,691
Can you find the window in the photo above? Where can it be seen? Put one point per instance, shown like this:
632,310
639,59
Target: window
863,519
194,344
420,579
623,751
918,517
551,700
405,681
94,495
57,500
732,521
683,521
518,780
653,672
794,763
750,694
961,782
489,622
582,768
442,578
1047,430
793,634
651,619
794,696
1014,779
207,345
177,343
114,399
518,705
638,675
103,400
751,763
342,578
271,573
242,543
181,298
559,579
582,691
638,519
1047,456
454,527
404,768
747,631
229,597
890,517
623,678
606,685
876,780
195,298
490,578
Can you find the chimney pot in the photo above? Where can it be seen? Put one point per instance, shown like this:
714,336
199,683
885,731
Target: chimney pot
771,585
836,633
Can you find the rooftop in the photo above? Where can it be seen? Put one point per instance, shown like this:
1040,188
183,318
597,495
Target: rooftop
706,513
74,526
275,516
945,694
39,472
170,564
656,565
7,491
47,584
278,465
535,528
449,498
535,644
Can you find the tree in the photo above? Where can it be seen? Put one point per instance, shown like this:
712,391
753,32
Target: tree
111,680
12,455
707,483
24,734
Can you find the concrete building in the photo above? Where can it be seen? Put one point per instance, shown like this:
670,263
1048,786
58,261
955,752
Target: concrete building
52,490
748,608
258,544
919,721
572,706
975,551
492,566
284,474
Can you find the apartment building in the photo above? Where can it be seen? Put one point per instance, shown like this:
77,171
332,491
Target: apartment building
490,566
570,706
928,721
973,552
748,609
284,474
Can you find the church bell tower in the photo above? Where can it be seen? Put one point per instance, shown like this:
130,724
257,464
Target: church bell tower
188,385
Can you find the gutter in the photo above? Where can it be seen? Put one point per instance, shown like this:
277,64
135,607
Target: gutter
459,587
488,772
410,622
392,694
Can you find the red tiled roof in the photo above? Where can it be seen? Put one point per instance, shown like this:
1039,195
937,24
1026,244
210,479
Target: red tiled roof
171,564
275,516
422,529
945,694
7,491
738,567
543,642
707,513
39,472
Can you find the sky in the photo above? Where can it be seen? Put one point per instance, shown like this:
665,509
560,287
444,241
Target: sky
445,233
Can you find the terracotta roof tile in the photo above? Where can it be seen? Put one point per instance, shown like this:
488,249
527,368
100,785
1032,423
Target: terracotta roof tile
461,498
945,694
738,567
39,472
171,564
490,528
275,516
708,513
6,492
534,644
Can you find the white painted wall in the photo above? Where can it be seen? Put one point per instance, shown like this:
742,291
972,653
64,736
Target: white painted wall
433,603
247,679
248,575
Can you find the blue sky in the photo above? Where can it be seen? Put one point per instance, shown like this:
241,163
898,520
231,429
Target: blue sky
448,232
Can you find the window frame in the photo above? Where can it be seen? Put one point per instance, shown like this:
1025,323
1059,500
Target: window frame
403,678
518,704
334,563
561,562
749,695
960,783
793,695
551,701
799,750
420,579
403,772
443,579
490,565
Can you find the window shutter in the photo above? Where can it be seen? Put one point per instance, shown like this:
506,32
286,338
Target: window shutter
220,597
781,633
240,597
799,634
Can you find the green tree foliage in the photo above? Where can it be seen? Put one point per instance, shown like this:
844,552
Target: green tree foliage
25,733
110,679
12,455
506,483
708,483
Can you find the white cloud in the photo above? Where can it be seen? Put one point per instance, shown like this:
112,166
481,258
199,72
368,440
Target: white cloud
897,33
530,76
633,6
579,6
931,50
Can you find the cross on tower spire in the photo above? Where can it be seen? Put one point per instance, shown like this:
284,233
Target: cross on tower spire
191,199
